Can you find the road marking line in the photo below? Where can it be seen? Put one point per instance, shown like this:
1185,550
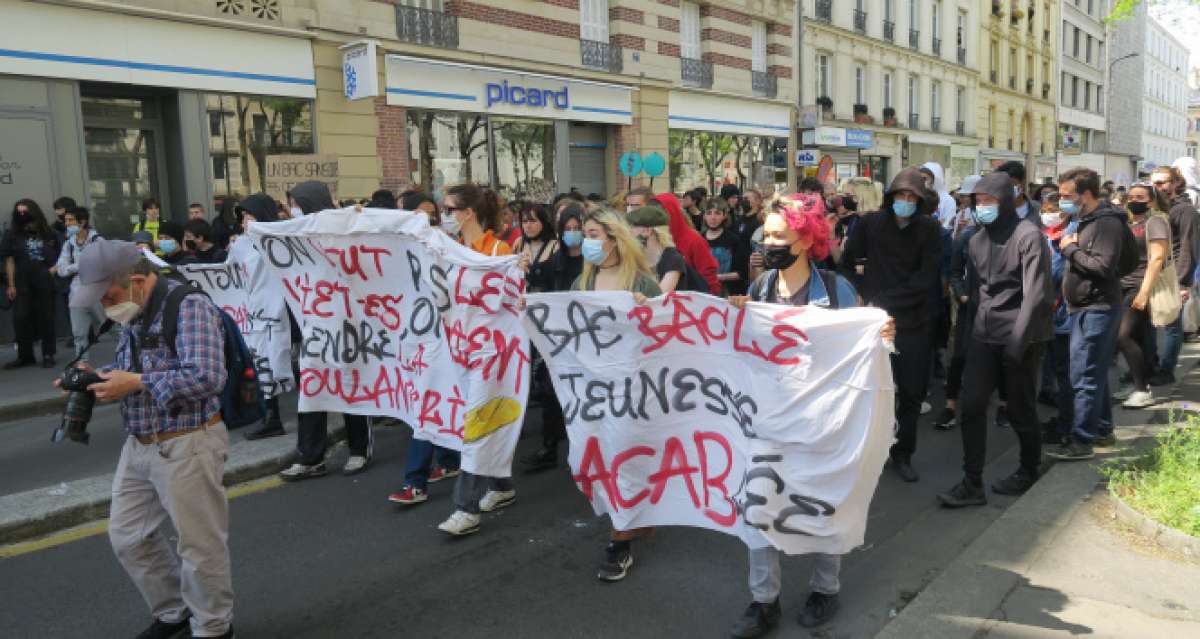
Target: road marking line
94,528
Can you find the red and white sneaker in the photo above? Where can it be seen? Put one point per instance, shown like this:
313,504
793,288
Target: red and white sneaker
408,496
437,473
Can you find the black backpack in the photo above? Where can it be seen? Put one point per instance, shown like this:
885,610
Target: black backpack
242,401
760,289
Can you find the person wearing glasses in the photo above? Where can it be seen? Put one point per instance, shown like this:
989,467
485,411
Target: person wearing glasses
1173,186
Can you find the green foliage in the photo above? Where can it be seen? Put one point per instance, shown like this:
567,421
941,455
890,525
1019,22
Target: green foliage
1164,483
1123,9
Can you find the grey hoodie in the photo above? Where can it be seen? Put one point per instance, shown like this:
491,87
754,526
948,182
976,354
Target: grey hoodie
1012,261
312,196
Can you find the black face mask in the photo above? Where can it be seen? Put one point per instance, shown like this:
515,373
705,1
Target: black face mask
776,256
1138,208
190,244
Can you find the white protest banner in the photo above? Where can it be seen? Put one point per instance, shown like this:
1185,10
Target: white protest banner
243,289
400,320
688,411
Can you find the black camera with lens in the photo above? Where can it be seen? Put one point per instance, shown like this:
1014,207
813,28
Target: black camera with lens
80,401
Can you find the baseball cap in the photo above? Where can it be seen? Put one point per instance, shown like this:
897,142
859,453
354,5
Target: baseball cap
100,262
969,184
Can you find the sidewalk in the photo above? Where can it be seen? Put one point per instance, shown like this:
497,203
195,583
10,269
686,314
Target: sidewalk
28,391
1058,563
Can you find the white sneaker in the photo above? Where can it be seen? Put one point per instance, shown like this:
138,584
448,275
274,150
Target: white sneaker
926,407
300,471
497,499
460,523
356,464
1139,399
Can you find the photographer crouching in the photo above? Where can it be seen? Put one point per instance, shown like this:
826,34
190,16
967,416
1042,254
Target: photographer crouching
173,461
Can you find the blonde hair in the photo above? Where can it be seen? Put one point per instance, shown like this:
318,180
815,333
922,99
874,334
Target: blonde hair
865,193
664,236
630,259
618,200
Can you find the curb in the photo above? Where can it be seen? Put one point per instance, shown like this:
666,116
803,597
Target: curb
1163,535
46,510
21,410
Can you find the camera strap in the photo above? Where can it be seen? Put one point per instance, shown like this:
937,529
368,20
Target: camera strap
141,337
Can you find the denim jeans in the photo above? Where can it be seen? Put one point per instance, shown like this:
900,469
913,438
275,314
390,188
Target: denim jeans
1172,344
421,454
766,575
1093,350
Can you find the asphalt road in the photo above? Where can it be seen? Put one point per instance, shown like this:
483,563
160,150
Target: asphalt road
331,557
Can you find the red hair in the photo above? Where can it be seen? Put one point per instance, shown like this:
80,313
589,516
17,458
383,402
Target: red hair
804,213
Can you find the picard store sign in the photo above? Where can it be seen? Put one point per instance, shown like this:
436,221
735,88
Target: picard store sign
449,86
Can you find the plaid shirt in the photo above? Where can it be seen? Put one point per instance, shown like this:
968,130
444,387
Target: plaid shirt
182,392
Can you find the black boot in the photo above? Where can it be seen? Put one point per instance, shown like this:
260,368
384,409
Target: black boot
272,424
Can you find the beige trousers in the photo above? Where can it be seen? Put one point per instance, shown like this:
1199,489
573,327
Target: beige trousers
180,479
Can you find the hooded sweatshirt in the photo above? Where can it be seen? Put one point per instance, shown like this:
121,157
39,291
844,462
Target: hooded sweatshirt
947,208
1091,280
312,196
902,264
1012,261
1183,236
261,206
690,243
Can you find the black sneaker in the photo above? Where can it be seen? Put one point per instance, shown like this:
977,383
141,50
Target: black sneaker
1107,441
945,420
964,493
1050,434
543,459
1002,417
618,557
1162,378
18,363
265,431
1073,450
903,467
164,630
756,621
1015,484
818,609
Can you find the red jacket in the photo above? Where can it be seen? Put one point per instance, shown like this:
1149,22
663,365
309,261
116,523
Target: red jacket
693,247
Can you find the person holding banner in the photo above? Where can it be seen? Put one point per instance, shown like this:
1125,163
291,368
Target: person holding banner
898,250
796,236
613,261
473,213
1011,326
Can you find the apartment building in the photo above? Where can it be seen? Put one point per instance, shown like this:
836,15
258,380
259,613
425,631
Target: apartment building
189,100
1193,138
1016,103
1148,96
895,82
1083,63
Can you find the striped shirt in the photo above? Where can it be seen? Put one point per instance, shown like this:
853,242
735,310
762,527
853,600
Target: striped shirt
184,392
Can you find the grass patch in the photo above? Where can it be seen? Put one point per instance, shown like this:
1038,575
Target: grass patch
1164,483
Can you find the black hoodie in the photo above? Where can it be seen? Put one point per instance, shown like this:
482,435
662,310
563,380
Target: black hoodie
1012,261
312,196
1092,280
1183,237
902,267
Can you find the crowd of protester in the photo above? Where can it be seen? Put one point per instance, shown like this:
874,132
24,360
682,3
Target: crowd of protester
1026,291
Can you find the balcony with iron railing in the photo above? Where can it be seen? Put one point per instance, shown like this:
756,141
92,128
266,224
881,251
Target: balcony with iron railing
764,84
935,123
962,56
937,46
913,120
914,38
860,21
602,56
889,30
825,10
423,26
696,73
960,127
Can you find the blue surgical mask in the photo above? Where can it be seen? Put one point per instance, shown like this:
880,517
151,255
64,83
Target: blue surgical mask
73,229
593,251
167,246
572,238
904,208
1070,207
987,213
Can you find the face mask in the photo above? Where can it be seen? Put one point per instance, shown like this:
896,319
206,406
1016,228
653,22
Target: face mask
986,214
1070,207
1016,192
191,245
297,211
778,256
1138,208
1051,220
904,208
450,224
122,313
572,238
593,251
168,246
73,229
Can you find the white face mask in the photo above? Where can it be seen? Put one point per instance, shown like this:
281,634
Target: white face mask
450,224
297,212
122,313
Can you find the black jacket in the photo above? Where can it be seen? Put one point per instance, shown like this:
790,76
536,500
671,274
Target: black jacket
1092,280
1012,261
1183,237
901,265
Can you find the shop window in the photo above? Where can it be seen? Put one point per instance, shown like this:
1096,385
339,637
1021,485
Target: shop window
702,158
524,155
246,130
